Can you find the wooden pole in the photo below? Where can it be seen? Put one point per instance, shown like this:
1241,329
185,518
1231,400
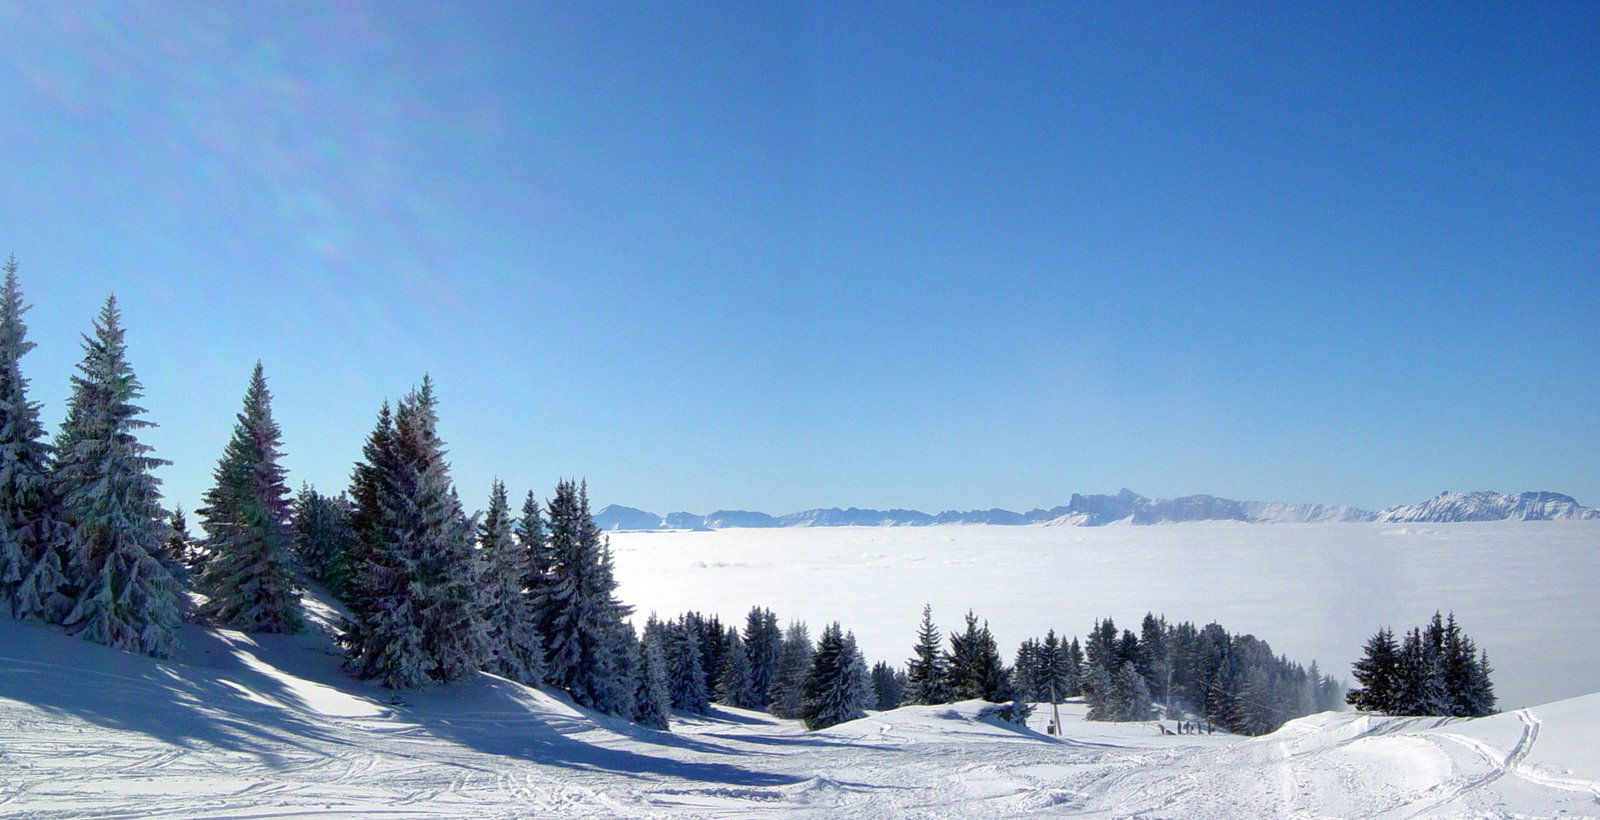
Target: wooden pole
1056,709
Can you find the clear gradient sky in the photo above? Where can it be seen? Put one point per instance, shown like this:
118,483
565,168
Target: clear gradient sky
777,256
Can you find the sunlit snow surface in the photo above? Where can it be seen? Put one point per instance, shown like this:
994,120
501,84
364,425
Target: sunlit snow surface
1526,591
261,725
268,726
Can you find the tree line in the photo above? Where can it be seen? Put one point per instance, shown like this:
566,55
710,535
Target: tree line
1233,681
435,594
1435,670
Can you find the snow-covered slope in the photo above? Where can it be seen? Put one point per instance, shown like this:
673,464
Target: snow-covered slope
267,726
1484,505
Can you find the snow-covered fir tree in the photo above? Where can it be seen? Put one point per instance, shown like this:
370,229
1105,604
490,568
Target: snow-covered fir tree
1100,647
973,665
1378,674
784,697
535,546
926,675
1046,669
1055,673
384,639
1480,699
1074,668
582,619
324,538
686,677
513,642
31,533
763,642
735,684
377,573
888,686
181,543
652,697
436,534
249,576
833,690
1255,710
1421,678
619,696
415,596
858,676
1434,670
559,596
1099,693
1153,660
125,597
709,636
1466,680
1025,671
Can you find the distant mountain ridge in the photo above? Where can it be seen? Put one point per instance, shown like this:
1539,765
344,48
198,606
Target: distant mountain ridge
1490,506
1128,507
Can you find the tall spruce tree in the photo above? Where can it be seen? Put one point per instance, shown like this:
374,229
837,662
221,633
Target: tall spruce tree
1024,672
653,697
1130,696
1055,676
686,677
1100,647
858,676
513,642
785,697
578,609
436,533
926,674
888,686
249,577
736,683
1074,667
1378,673
32,535
416,604
1098,692
1421,689
619,696
975,669
181,543
324,538
1253,711
559,598
831,692
763,641
110,500
1481,699
535,545
1155,661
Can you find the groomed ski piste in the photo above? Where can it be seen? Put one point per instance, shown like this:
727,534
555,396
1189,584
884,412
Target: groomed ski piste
268,725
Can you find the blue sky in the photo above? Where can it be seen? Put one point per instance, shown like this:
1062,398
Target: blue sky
779,256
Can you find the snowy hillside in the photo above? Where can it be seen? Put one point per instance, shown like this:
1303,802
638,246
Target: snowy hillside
266,726
1490,506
